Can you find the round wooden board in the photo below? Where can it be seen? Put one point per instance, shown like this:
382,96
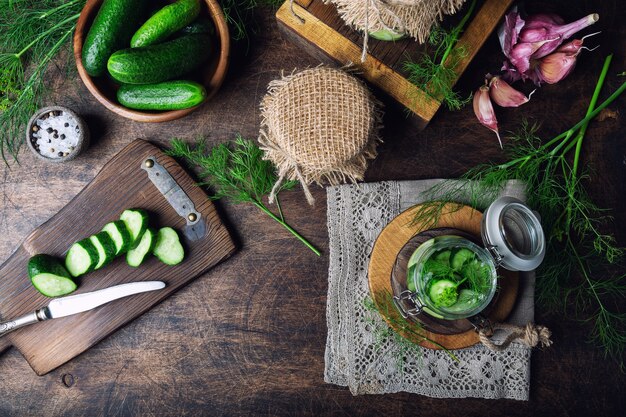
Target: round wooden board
386,248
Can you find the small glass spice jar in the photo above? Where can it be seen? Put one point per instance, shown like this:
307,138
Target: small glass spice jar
450,277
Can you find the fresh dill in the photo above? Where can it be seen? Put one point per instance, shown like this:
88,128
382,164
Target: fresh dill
32,32
239,13
237,171
435,75
580,256
383,332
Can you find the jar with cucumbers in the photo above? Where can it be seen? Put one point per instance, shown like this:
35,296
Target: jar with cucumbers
450,277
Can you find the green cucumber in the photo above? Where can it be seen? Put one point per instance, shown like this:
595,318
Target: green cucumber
443,257
169,95
42,263
105,246
165,22
49,277
135,257
468,300
168,247
443,292
387,35
111,30
460,257
161,62
120,235
137,222
82,257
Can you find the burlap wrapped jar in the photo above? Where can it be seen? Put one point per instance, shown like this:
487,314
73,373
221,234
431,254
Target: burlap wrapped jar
411,17
320,125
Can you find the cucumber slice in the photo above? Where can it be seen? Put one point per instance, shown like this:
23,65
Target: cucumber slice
168,248
443,256
460,257
137,222
443,292
49,277
52,285
118,231
468,300
135,257
42,263
82,257
105,246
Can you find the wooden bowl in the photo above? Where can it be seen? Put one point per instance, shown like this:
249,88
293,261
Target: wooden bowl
104,88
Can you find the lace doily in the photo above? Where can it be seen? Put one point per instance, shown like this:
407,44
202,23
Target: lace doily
356,358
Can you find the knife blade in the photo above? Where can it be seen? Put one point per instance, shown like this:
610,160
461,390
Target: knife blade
79,303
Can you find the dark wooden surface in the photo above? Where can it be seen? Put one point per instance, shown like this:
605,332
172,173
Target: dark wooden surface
248,338
121,184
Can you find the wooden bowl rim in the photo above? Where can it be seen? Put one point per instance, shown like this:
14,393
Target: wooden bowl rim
212,85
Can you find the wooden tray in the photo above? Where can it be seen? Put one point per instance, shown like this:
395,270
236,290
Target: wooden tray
120,184
385,252
326,36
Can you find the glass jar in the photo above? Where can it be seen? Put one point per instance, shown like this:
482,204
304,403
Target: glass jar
450,277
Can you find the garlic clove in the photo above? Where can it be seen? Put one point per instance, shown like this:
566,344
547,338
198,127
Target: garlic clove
483,110
522,52
542,20
504,95
556,66
533,34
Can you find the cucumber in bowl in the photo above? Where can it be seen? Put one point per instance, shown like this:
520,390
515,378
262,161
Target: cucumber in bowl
160,62
169,95
165,22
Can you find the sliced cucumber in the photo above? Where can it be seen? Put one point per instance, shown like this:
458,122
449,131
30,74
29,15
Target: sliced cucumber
105,246
443,292
120,235
135,257
168,248
82,257
468,300
443,256
460,257
49,277
137,222
52,285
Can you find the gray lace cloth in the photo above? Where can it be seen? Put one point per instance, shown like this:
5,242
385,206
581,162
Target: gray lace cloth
356,359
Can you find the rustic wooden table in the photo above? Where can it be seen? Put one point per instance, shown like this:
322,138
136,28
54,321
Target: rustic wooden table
248,338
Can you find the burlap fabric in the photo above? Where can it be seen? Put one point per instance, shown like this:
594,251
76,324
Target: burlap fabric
320,125
412,17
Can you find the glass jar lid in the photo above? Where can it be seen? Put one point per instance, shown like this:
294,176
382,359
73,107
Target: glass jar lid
513,234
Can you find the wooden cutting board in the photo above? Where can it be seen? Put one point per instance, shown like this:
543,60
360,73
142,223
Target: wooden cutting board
120,185
318,29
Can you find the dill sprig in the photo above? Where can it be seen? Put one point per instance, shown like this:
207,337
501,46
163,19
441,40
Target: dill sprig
32,32
238,14
237,171
435,75
580,256
383,332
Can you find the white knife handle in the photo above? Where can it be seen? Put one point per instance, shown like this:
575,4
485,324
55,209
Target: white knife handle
9,326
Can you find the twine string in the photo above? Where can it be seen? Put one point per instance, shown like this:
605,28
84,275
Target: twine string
531,335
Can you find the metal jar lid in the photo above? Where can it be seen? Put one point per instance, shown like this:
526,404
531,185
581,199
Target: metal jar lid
513,234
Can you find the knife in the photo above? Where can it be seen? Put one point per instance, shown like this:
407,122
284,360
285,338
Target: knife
74,304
